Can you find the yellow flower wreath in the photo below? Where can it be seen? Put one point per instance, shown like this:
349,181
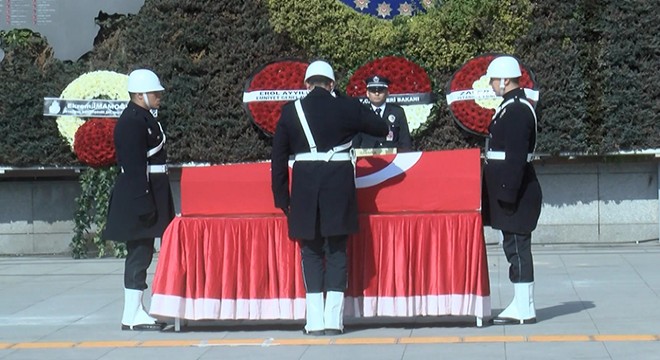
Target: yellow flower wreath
99,84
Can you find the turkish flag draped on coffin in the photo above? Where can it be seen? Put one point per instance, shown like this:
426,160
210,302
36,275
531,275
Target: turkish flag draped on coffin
420,249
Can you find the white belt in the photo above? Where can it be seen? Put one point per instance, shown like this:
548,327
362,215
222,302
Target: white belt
501,155
157,169
153,169
335,154
343,156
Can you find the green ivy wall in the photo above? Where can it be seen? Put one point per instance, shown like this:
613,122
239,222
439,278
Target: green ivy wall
595,61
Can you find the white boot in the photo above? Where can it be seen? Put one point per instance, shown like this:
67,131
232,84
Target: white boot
314,315
521,310
526,308
334,313
142,315
135,317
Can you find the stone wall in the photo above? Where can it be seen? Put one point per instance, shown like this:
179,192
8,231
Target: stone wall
597,202
36,215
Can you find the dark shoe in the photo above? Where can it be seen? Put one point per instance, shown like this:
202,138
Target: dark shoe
314,332
144,327
510,321
333,332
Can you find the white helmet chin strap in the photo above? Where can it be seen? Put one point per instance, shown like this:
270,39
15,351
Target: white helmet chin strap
502,85
146,100
153,111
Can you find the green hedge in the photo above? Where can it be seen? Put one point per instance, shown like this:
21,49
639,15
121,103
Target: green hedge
628,68
440,40
29,73
204,51
560,48
444,37
595,61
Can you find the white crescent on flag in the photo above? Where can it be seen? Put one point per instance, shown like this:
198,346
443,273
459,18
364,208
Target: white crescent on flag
400,164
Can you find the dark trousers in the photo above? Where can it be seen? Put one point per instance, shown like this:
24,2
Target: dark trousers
138,259
518,251
324,263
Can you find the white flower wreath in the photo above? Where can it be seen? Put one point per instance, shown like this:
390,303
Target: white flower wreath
417,115
490,103
100,84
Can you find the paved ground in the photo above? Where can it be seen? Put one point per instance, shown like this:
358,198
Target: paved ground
593,302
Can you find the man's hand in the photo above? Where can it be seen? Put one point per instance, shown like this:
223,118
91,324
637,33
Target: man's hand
148,219
507,207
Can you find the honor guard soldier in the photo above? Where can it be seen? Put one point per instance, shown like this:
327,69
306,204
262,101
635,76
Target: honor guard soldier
316,134
398,135
511,191
141,203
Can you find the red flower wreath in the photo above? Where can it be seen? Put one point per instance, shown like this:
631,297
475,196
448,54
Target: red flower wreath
468,113
405,76
261,91
94,142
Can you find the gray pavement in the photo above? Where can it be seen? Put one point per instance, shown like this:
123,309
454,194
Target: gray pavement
593,302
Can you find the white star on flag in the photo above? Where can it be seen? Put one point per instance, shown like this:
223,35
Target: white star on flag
362,4
428,3
384,9
405,9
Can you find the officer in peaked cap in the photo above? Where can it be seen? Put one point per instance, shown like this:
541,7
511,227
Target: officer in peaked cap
321,207
377,82
398,135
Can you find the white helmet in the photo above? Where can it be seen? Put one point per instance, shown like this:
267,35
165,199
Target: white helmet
320,68
143,81
504,67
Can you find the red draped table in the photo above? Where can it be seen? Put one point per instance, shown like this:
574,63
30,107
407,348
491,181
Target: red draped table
420,250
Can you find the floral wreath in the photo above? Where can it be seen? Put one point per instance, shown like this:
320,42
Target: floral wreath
471,99
410,87
100,84
94,142
269,88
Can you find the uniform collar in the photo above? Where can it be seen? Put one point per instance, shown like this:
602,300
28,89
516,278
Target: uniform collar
319,91
382,107
138,108
519,93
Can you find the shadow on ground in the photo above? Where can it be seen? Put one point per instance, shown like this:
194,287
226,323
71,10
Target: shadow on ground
354,324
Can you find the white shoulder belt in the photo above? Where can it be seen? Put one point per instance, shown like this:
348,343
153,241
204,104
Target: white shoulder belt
501,155
153,151
334,154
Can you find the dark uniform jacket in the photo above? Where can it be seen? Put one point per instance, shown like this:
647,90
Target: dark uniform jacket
511,192
141,204
398,124
320,191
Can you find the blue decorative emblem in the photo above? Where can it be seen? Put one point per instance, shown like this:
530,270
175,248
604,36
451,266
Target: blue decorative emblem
388,9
